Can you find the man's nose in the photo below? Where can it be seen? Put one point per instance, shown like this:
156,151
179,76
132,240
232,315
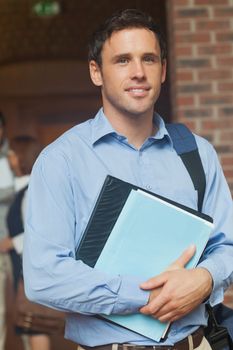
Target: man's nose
137,70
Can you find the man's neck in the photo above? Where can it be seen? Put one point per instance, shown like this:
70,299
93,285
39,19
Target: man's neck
135,128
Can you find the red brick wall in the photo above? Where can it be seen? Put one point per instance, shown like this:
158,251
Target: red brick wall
201,60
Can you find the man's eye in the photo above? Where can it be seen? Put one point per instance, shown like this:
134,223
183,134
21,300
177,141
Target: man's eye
123,60
149,59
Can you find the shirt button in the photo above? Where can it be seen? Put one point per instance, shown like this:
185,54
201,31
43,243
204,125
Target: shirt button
148,187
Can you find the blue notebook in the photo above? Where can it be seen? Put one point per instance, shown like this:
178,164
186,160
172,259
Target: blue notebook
149,234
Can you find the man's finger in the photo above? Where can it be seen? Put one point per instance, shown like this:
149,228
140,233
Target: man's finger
183,259
154,282
154,305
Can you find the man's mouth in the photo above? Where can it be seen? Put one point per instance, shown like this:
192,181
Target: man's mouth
138,91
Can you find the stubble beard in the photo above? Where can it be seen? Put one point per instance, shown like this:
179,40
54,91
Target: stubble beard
127,109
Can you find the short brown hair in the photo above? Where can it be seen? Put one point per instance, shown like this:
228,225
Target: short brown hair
129,18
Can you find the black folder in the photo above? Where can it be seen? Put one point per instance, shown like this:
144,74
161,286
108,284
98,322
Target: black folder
109,204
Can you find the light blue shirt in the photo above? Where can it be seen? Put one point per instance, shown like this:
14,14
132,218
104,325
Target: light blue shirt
64,185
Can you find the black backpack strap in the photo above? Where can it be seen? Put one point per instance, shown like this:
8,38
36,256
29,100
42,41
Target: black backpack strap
185,145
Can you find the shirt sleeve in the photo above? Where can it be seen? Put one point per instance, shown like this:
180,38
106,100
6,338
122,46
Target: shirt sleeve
218,255
52,275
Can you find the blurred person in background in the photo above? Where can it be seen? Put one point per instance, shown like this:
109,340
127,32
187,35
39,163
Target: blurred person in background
22,155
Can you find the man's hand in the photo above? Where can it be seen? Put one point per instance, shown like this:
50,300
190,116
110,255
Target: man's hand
177,291
6,245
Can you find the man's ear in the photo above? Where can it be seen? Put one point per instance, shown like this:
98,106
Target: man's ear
95,73
164,70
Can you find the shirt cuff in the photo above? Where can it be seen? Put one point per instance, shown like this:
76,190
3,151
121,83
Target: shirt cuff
217,294
130,296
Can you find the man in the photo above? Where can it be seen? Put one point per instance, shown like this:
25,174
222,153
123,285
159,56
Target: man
127,60
6,194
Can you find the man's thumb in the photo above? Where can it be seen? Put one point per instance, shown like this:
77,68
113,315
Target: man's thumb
183,258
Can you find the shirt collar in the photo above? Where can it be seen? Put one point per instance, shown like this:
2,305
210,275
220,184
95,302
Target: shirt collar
161,131
102,127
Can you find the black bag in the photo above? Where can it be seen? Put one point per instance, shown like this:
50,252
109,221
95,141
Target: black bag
217,335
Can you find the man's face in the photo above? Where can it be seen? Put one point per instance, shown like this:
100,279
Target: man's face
131,73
